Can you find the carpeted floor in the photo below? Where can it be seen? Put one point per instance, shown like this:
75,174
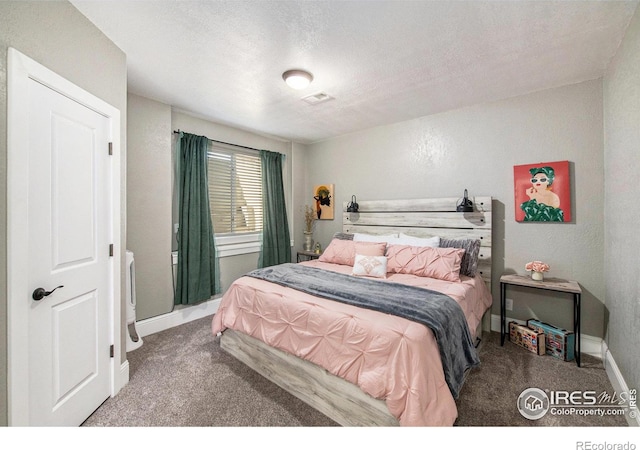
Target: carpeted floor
490,392
180,377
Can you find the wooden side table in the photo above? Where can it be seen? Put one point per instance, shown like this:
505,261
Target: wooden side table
549,284
304,255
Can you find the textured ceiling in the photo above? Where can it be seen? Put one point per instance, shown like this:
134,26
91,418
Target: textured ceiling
382,61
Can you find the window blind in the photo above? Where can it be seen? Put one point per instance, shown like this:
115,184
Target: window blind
235,190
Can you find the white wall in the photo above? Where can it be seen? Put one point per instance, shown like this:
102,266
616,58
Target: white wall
149,178
621,213
476,148
300,173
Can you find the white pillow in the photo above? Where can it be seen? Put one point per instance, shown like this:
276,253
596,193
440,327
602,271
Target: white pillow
370,266
362,237
413,241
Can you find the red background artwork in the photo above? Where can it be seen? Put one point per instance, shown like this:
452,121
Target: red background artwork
560,186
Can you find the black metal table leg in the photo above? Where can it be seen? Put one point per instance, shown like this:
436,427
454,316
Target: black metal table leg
576,326
503,306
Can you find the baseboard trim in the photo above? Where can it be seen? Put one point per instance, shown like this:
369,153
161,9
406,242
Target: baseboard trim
617,381
178,316
124,375
589,345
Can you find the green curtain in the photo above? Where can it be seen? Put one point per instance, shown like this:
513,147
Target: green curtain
198,271
276,241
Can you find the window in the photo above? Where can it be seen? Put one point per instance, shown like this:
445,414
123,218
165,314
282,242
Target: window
235,193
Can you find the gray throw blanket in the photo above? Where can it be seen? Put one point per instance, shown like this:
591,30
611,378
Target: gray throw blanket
433,309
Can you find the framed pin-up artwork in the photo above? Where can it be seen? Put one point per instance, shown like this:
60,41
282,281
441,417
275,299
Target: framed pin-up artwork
323,196
542,192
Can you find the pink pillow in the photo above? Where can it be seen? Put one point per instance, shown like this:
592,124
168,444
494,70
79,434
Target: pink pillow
340,251
370,248
440,263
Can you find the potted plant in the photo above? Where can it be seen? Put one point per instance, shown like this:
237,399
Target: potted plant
309,218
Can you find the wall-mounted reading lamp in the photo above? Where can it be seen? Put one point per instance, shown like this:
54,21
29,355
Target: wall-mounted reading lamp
465,205
352,206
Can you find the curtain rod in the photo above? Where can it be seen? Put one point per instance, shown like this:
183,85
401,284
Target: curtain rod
226,143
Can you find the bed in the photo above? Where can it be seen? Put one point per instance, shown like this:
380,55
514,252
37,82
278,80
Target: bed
362,366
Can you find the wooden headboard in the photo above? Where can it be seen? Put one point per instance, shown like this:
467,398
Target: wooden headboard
426,217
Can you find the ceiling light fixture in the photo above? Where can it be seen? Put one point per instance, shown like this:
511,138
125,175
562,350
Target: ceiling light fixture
297,79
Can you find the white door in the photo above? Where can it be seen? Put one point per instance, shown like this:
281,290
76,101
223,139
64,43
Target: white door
69,229
68,246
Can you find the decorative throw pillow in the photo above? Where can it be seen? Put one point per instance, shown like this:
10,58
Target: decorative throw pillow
469,265
343,236
339,252
343,252
440,263
370,266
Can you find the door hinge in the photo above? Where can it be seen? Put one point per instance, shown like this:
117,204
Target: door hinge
111,351
110,249
110,148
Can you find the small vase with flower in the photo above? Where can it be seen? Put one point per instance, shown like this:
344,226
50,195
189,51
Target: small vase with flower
537,269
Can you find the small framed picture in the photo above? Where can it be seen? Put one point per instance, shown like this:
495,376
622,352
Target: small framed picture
542,192
323,197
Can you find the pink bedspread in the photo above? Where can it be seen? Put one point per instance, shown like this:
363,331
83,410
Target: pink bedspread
388,357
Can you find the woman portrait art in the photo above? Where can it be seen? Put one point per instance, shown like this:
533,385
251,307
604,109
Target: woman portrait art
542,192
322,196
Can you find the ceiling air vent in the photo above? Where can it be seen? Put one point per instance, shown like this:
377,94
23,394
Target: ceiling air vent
318,97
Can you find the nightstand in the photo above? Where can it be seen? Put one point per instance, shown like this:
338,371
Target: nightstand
549,284
304,255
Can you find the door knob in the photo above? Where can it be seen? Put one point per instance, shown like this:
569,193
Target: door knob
40,293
